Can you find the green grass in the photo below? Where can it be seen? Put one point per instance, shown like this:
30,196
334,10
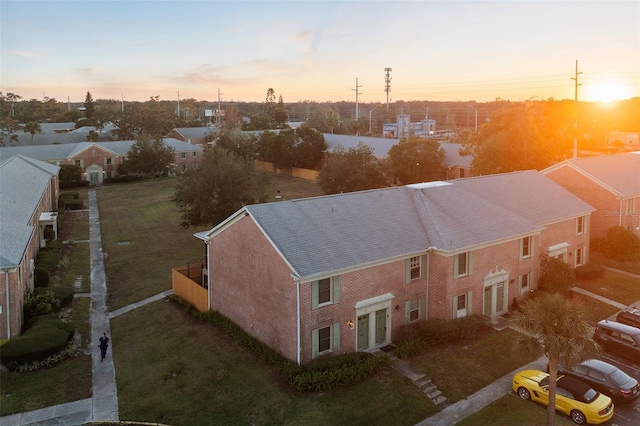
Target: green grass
459,372
291,188
174,369
595,309
511,410
632,266
615,286
66,382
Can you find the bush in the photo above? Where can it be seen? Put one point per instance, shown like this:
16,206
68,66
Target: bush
73,204
556,276
42,303
622,244
49,257
45,337
64,295
49,234
416,338
62,204
70,195
590,271
42,277
598,244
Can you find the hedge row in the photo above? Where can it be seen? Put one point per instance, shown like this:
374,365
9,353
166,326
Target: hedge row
63,294
48,257
416,339
320,375
589,271
46,335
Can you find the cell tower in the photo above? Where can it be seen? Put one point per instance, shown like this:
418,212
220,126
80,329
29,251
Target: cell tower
387,84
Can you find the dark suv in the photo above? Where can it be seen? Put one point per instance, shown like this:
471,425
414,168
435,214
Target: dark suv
630,316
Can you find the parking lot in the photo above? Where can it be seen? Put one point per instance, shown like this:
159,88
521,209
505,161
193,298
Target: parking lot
625,414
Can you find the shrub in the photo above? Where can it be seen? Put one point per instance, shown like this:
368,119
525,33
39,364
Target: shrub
70,195
45,302
41,278
598,244
64,295
470,326
44,338
590,271
556,276
49,257
62,204
49,234
411,346
622,244
73,204
438,331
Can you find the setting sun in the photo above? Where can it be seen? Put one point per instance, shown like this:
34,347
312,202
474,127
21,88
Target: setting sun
606,91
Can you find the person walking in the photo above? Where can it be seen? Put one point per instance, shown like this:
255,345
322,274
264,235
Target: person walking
104,344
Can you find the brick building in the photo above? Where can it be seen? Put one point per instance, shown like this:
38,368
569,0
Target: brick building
28,203
610,183
343,273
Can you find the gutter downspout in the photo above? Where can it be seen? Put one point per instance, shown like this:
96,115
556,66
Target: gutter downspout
620,213
208,275
6,274
297,281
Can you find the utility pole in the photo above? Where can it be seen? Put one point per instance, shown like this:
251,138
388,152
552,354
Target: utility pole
575,123
387,84
178,104
357,93
219,110
122,107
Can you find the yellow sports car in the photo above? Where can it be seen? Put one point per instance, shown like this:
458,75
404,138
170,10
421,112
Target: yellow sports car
573,397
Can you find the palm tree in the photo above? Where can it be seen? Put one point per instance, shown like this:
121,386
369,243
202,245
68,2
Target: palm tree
32,127
558,326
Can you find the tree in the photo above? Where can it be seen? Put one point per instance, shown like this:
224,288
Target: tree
8,129
556,276
559,327
93,136
70,173
277,148
244,145
153,118
32,127
521,137
222,184
416,160
309,147
353,169
148,156
279,113
89,107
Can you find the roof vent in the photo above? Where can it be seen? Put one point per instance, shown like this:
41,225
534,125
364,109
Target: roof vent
425,185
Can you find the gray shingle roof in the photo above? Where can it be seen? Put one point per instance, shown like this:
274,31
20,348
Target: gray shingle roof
324,234
381,146
195,132
23,182
529,194
67,151
620,172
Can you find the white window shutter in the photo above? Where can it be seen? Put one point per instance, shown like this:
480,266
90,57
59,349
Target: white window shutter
336,289
336,336
455,307
407,271
423,308
456,264
407,308
470,263
470,303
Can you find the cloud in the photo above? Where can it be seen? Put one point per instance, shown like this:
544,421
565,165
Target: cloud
22,53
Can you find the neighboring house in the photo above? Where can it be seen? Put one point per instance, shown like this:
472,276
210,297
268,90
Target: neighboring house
624,140
343,273
193,135
610,183
29,192
100,160
455,165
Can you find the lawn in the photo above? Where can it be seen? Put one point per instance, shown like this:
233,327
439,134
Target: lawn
632,266
174,369
511,410
615,286
595,309
461,371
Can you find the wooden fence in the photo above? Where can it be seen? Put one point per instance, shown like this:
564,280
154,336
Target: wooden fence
186,283
307,174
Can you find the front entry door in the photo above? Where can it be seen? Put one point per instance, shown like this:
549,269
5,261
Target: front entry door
494,299
381,326
363,332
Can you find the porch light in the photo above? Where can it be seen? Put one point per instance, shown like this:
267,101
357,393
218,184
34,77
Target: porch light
351,325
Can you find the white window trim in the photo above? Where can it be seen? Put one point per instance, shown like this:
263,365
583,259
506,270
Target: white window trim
334,340
334,293
529,287
583,253
422,264
582,219
468,305
456,265
530,254
422,310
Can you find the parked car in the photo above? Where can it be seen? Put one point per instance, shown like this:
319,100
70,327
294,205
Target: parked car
629,316
605,378
573,397
621,339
